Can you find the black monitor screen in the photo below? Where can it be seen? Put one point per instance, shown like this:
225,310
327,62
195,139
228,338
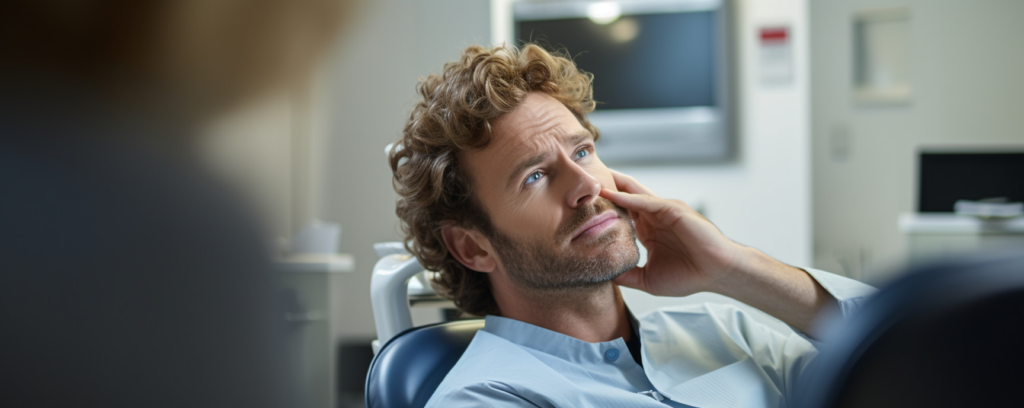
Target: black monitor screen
639,61
948,177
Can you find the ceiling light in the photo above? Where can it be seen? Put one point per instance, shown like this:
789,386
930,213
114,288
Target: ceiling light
604,12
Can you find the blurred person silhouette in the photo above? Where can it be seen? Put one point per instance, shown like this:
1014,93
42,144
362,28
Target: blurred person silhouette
129,277
939,335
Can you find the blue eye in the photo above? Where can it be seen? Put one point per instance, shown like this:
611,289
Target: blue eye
533,177
582,153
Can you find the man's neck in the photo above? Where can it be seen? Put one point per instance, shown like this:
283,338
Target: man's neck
594,315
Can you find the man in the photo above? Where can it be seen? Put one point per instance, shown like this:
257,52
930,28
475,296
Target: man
502,192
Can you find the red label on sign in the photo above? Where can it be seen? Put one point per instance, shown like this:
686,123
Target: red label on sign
774,34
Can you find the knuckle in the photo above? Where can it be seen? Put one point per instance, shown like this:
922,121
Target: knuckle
678,212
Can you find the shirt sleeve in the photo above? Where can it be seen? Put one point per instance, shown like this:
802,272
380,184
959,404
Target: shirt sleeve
480,394
850,293
784,358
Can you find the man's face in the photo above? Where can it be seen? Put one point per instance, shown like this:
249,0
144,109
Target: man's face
539,180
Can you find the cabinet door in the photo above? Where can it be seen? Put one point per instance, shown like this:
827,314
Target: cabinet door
311,354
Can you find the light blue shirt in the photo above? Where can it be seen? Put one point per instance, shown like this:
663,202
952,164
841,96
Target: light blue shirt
707,355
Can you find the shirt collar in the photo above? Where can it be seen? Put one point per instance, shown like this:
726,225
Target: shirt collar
554,343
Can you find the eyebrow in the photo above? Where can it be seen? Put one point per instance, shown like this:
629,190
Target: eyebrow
535,160
578,138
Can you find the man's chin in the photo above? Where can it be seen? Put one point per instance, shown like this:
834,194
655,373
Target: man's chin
630,256
620,255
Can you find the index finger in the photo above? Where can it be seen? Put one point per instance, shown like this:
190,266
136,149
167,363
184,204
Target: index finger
637,202
629,184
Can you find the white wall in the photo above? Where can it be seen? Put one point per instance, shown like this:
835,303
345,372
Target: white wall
369,91
763,198
966,65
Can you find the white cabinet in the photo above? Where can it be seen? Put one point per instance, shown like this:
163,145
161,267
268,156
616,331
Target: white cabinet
307,281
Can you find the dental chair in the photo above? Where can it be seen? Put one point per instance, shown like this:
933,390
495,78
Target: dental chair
409,362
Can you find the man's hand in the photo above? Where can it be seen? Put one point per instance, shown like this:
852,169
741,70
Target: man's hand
687,254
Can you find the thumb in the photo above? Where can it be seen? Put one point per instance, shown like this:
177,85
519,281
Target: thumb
633,278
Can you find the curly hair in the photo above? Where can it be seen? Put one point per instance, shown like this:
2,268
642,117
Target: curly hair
453,115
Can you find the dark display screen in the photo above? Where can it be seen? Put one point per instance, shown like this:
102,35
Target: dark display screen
948,177
639,61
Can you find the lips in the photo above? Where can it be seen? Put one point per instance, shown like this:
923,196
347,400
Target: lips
596,224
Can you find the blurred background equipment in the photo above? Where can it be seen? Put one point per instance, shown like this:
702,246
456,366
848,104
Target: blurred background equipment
969,199
997,207
316,237
951,175
662,72
944,335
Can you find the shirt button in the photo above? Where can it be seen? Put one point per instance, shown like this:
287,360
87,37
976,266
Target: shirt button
612,354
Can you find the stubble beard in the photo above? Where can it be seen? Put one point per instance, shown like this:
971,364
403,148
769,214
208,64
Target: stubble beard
562,267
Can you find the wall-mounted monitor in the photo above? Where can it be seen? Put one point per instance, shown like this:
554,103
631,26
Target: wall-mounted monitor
661,72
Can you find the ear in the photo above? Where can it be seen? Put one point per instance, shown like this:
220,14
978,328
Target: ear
471,248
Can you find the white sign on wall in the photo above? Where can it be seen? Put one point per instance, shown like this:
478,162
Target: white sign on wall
775,56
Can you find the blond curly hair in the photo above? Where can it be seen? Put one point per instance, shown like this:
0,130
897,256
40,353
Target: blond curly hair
454,114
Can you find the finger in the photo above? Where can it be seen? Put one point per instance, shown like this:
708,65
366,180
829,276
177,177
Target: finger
629,184
636,202
633,278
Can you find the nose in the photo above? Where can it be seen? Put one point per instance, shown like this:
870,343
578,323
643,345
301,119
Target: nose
583,188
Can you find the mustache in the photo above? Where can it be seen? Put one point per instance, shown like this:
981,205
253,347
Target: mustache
584,214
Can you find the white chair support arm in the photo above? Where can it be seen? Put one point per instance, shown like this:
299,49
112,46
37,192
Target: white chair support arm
388,289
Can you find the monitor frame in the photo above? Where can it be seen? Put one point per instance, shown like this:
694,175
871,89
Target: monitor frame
660,135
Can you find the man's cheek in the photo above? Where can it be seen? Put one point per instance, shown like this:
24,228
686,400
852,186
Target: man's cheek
536,221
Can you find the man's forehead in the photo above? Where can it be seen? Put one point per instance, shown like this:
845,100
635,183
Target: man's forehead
538,114
538,120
